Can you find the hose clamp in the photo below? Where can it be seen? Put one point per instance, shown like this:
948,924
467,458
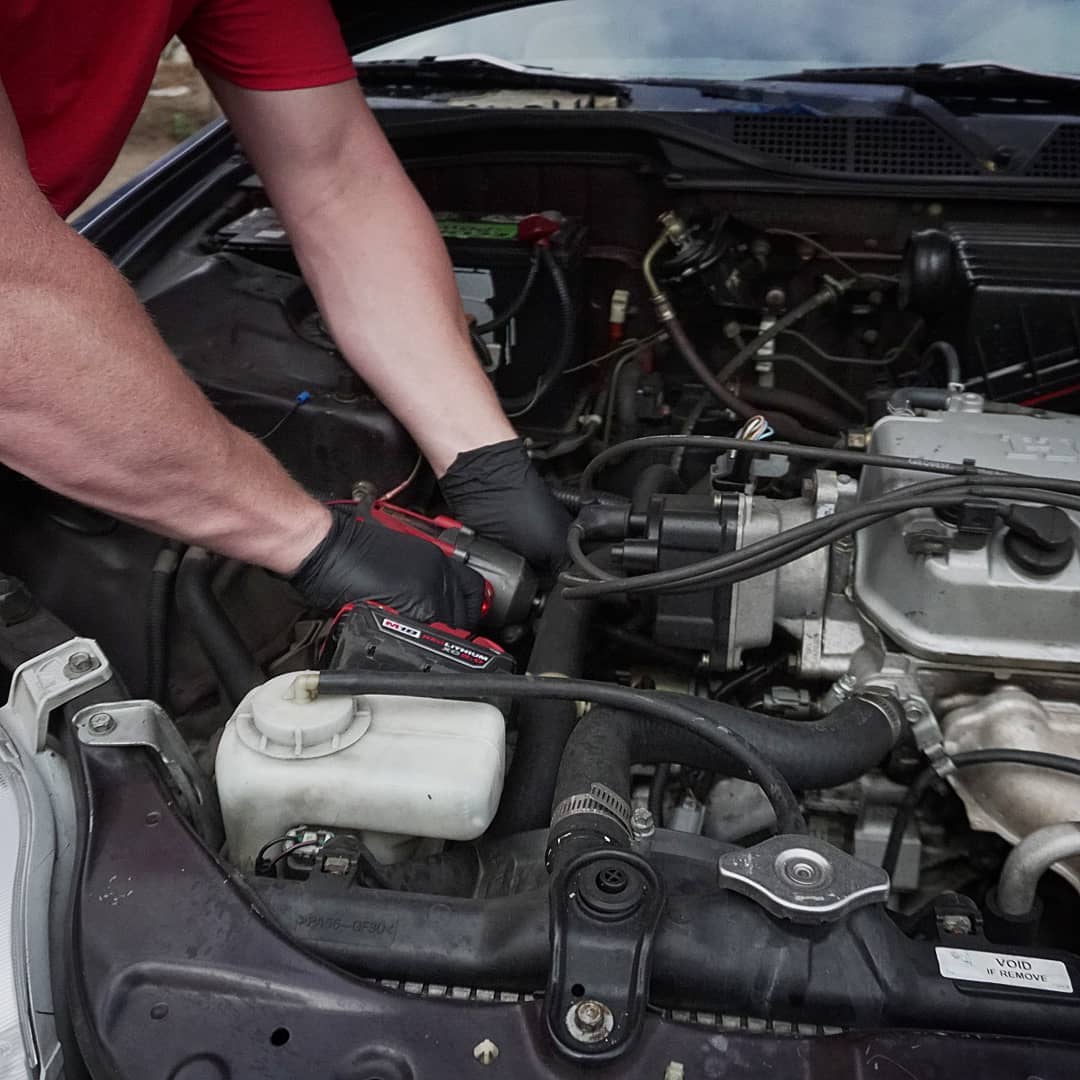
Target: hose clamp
600,800
888,705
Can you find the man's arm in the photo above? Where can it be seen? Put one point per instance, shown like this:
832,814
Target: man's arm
373,257
94,406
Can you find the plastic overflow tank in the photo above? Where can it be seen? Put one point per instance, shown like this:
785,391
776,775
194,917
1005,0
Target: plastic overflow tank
403,766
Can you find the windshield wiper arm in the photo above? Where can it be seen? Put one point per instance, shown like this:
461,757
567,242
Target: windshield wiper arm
961,80
486,71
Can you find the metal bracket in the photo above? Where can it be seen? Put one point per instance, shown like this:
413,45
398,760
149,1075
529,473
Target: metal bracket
48,681
803,879
605,907
918,713
145,724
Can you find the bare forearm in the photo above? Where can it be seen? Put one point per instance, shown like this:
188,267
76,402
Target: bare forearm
380,273
93,405
374,259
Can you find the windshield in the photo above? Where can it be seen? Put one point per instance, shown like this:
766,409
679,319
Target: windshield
737,39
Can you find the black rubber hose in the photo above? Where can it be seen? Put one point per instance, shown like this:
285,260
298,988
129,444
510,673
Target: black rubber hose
919,397
719,444
544,725
657,787
518,302
564,350
232,662
656,479
162,577
950,358
802,406
573,499
836,749
927,778
673,711
781,423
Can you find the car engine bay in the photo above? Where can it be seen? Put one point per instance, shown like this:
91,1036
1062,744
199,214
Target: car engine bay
810,682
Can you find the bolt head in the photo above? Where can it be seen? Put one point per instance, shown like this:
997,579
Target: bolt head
81,662
485,1052
590,1015
642,824
101,723
957,924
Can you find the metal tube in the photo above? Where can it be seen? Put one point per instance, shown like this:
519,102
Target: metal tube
1029,860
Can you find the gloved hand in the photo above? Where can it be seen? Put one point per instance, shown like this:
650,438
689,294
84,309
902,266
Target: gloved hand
362,560
496,491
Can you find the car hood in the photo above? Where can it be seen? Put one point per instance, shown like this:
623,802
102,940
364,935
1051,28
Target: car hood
366,23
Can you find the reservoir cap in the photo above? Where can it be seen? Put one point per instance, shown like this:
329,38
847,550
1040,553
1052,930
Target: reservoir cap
273,723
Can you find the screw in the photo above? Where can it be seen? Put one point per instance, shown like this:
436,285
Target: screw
159,1011
956,924
590,1015
642,826
485,1052
101,723
153,819
845,685
775,299
81,662
913,711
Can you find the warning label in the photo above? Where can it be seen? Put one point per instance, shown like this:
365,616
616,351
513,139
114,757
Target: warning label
1004,969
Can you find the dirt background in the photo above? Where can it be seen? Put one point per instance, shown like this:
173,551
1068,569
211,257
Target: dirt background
178,105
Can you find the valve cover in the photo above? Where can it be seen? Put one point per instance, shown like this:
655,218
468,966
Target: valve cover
947,595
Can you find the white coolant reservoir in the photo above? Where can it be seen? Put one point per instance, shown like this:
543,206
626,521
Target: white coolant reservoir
408,767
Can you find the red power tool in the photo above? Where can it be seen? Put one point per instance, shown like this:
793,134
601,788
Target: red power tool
511,585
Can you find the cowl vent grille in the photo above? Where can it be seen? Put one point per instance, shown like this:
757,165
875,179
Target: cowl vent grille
1059,156
862,145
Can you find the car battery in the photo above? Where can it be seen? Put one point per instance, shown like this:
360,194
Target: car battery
491,265
370,637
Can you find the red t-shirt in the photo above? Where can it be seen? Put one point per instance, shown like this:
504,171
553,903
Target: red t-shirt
77,71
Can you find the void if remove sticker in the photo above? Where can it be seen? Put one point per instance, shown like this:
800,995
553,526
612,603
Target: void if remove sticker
1002,969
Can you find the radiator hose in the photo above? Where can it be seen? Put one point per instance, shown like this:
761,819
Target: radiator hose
543,724
840,747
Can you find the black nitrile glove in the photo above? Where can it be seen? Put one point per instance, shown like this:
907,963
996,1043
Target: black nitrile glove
362,560
496,491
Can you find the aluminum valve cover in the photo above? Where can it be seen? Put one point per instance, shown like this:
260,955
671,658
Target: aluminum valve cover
970,605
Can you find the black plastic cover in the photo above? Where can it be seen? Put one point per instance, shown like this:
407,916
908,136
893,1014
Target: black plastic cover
1008,296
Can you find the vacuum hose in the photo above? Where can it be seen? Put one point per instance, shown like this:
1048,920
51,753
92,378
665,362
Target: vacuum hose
522,403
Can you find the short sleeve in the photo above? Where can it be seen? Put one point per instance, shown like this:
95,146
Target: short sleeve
269,44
